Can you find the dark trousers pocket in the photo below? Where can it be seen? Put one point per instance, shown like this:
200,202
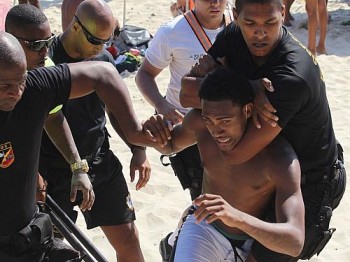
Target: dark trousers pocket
315,241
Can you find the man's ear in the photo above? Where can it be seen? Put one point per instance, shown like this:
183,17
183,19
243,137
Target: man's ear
283,12
248,110
75,27
235,14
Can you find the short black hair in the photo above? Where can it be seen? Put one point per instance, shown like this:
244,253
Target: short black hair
22,15
226,84
239,3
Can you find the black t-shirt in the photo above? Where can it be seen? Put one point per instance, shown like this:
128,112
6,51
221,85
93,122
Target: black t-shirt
85,115
20,137
299,96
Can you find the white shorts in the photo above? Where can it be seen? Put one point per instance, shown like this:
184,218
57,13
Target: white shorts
203,243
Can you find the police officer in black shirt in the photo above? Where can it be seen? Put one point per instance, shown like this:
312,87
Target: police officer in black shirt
25,100
91,28
260,47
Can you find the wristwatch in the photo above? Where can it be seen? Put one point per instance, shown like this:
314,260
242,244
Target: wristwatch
80,165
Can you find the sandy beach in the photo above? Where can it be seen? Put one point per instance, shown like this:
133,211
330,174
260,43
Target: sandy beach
160,204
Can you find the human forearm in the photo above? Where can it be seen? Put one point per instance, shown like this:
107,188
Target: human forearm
279,237
285,236
149,89
253,141
189,91
58,130
119,131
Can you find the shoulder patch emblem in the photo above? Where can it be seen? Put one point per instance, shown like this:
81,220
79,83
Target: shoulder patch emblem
7,157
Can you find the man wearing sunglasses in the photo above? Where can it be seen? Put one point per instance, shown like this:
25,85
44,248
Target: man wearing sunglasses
84,39
32,29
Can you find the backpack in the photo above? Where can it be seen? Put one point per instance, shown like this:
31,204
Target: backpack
132,37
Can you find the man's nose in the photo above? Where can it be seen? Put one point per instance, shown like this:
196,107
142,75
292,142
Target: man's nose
260,32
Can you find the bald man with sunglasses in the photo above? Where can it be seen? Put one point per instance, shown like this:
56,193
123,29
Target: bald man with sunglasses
84,39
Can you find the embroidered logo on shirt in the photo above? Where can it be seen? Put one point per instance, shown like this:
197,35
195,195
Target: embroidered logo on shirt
129,203
196,57
7,157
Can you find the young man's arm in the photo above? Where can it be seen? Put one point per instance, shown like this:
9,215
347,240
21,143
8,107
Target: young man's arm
189,91
58,130
145,80
182,135
139,159
190,83
104,79
287,234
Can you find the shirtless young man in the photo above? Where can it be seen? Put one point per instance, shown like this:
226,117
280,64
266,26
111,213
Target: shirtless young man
230,214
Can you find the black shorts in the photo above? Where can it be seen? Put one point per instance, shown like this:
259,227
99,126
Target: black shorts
316,234
112,205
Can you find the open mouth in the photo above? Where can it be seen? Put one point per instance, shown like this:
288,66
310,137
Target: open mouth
222,141
259,45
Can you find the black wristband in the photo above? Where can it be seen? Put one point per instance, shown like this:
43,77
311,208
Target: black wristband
133,147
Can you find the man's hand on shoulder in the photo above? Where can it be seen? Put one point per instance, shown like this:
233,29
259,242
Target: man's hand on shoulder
263,107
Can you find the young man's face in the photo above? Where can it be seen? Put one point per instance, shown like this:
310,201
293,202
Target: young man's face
210,8
225,121
35,58
12,84
261,26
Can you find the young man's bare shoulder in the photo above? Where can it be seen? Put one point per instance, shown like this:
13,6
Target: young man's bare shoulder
193,120
280,156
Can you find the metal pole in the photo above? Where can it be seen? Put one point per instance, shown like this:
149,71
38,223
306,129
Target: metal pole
70,237
75,230
124,13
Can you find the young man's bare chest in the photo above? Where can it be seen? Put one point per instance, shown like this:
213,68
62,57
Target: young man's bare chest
246,186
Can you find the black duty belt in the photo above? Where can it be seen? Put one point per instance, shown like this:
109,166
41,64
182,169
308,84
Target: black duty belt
315,177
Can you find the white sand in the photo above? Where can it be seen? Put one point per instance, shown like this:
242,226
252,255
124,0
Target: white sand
159,205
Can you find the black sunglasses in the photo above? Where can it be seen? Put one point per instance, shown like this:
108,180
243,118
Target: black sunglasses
92,39
37,45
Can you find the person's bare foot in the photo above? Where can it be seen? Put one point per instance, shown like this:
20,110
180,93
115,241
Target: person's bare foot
321,50
313,51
